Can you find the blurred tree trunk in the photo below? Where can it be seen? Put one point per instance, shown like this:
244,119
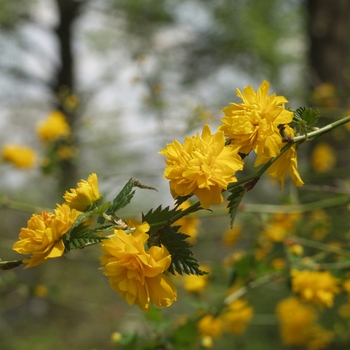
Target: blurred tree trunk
328,30
68,11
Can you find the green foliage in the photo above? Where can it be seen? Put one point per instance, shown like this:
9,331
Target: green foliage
79,236
157,218
185,335
123,198
13,11
182,258
234,199
304,118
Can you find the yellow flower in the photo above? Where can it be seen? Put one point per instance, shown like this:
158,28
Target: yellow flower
210,326
203,166
83,196
67,152
138,275
189,224
280,225
41,291
324,95
43,236
298,325
20,156
319,223
323,157
315,287
53,127
232,235
236,316
253,124
288,161
196,284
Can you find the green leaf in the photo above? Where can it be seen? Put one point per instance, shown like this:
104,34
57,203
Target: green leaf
244,267
154,315
80,236
184,336
234,199
158,215
180,200
123,198
182,258
304,118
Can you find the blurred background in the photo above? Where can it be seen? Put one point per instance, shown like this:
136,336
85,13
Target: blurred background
131,76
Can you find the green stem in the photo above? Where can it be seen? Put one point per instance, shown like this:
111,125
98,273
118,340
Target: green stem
297,139
253,284
268,208
319,132
7,203
321,246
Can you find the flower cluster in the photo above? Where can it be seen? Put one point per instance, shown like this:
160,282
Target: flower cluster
315,287
43,238
205,165
299,327
233,319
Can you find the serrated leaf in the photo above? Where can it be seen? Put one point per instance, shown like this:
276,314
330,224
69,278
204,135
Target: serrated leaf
79,237
158,215
304,118
123,198
234,199
180,200
182,257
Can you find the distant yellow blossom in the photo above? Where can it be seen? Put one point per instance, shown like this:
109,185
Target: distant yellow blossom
315,287
280,225
298,325
196,284
83,196
207,342
189,224
20,156
346,286
278,263
53,127
232,235
67,152
43,236
41,291
203,166
211,326
253,124
319,223
296,249
138,275
323,157
324,95
236,316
